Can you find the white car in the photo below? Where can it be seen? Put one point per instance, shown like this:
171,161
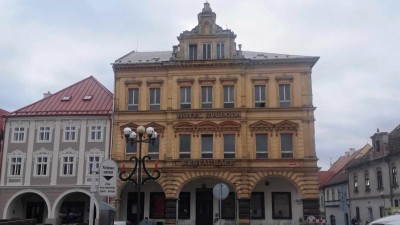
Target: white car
122,223
387,220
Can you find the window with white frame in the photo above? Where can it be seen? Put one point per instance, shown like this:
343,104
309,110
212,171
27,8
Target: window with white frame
229,146
19,134
207,51
154,98
367,183
287,145
44,134
93,162
192,52
220,51
70,133
284,95
186,97
15,166
67,165
229,96
259,96
133,99
206,97
394,176
96,133
41,165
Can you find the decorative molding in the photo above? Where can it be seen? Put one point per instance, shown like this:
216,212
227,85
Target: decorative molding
207,80
184,81
261,126
228,80
157,82
284,77
133,81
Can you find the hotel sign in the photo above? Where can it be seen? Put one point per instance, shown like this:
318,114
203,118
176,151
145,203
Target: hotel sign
220,114
204,162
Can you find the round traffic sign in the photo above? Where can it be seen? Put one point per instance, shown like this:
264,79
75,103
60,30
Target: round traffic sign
220,191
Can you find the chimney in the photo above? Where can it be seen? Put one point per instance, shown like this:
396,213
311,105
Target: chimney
347,154
48,94
352,150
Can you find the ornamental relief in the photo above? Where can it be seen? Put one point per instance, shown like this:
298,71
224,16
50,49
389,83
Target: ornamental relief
263,126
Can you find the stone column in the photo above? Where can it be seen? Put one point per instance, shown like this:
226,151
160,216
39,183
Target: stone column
244,211
170,211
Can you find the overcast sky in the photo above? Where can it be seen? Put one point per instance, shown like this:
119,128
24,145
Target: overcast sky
47,45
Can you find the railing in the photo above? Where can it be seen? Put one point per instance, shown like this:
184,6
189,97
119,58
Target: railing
18,222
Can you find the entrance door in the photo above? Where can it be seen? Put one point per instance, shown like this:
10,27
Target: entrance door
204,207
132,208
34,210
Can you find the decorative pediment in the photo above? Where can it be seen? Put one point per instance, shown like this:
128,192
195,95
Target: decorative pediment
42,151
184,127
206,126
261,126
17,153
229,126
68,151
287,125
94,151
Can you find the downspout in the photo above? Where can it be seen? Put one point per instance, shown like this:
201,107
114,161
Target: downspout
387,159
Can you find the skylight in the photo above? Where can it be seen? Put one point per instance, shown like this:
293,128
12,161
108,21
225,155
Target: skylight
66,98
87,97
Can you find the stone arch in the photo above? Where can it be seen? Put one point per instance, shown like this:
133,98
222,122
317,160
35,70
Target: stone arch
58,202
27,191
172,188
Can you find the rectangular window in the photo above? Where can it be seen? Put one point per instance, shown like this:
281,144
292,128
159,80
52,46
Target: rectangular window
396,203
70,133
367,184
154,98
68,165
220,51
394,176
281,205
44,134
259,96
93,163
157,205
19,134
379,179
207,51
229,96
207,146
206,97
41,165
192,52
287,146
133,99
154,149
229,146
333,194
261,146
228,207
257,205
358,213
184,146
131,147
355,183
96,133
185,97
284,95
184,205
16,166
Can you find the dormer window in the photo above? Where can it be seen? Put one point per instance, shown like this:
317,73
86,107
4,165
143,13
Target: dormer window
207,51
377,146
66,98
192,52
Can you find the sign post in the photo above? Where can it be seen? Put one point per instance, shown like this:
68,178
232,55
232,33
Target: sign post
108,178
220,191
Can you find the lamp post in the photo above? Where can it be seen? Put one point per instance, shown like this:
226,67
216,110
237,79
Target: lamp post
139,162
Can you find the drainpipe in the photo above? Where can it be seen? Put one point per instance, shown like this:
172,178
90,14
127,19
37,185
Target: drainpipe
387,159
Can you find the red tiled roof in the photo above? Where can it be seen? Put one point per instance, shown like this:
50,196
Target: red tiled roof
2,113
323,177
100,103
344,160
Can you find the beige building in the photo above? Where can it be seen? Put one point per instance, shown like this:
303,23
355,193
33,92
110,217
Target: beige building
223,115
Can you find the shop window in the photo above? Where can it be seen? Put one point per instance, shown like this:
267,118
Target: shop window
287,146
281,205
257,205
133,99
184,205
207,146
229,146
228,207
157,205
261,146
184,146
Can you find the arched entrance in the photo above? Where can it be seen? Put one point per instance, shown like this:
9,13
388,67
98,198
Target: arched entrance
27,204
73,207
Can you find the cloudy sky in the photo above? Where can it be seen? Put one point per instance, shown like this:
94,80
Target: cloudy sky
46,45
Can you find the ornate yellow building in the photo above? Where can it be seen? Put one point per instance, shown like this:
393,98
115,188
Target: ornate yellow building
223,115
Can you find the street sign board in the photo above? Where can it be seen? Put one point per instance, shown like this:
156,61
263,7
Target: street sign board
220,191
108,178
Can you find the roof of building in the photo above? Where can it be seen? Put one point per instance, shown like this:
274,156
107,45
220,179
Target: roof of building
323,177
394,141
2,113
86,97
160,56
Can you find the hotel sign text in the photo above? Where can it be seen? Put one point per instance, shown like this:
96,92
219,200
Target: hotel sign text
202,162
190,115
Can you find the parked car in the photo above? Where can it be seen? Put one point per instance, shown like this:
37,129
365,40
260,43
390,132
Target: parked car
387,220
122,223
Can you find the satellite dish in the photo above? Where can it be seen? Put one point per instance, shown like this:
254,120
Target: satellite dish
220,191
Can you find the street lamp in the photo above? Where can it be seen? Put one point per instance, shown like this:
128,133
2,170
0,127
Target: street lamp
131,138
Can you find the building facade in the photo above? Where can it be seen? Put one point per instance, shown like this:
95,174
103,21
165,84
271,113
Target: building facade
223,115
50,148
373,179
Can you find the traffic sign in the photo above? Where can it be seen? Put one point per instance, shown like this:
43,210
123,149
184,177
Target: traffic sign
108,178
220,191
